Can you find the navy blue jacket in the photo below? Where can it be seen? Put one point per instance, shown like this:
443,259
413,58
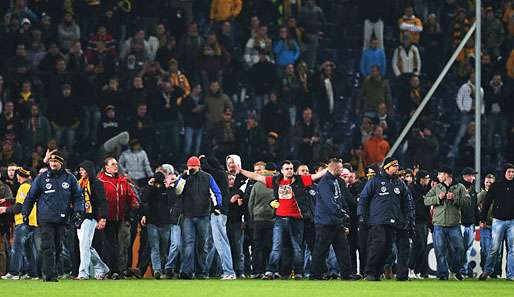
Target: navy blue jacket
331,207
56,193
386,200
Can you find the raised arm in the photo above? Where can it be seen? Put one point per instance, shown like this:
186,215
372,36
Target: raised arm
252,175
319,174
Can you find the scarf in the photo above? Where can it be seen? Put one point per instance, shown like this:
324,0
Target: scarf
86,189
26,96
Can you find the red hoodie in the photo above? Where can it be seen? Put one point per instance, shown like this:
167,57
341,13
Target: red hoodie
119,195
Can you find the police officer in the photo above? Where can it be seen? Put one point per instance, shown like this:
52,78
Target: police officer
54,191
386,206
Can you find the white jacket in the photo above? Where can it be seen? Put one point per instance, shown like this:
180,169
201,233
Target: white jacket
465,98
406,62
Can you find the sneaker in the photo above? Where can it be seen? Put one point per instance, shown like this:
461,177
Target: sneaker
64,276
115,276
170,274
229,277
80,278
9,276
298,276
388,273
412,274
157,274
372,278
351,277
201,277
50,279
483,276
25,277
101,277
137,273
459,276
242,275
256,276
443,278
268,276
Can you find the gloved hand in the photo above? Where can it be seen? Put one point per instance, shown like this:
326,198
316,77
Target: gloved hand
76,220
274,204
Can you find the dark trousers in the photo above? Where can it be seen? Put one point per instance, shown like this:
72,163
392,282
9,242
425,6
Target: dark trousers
353,243
116,245
234,234
380,245
327,235
51,247
363,247
262,241
418,260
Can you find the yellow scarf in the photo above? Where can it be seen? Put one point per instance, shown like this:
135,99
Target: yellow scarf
86,188
26,96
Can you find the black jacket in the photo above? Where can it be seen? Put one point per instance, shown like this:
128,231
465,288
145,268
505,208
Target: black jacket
200,194
422,212
98,201
158,205
214,168
501,195
470,214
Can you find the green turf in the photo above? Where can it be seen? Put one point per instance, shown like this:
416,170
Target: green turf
258,288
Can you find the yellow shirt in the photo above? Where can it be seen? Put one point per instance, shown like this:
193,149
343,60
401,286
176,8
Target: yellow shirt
20,198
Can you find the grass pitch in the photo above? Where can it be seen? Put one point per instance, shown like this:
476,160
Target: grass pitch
256,288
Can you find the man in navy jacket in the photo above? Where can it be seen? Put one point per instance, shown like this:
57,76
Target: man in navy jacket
54,191
386,206
332,219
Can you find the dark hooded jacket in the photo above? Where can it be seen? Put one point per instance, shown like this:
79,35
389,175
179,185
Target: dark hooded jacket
98,202
214,168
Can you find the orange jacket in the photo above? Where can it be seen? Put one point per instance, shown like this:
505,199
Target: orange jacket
222,10
375,150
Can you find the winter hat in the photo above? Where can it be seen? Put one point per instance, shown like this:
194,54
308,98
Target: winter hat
193,161
23,172
389,161
57,157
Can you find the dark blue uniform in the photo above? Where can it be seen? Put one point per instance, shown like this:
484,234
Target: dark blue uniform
386,205
57,195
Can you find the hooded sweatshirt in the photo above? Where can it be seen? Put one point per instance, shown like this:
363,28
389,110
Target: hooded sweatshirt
93,191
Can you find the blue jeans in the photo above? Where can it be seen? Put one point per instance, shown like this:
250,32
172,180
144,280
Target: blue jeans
294,230
486,244
449,249
88,254
158,238
194,230
24,254
500,230
175,246
192,141
332,265
468,234
221,245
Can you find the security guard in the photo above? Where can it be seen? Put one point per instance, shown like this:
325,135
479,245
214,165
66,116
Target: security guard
55,191
386,206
